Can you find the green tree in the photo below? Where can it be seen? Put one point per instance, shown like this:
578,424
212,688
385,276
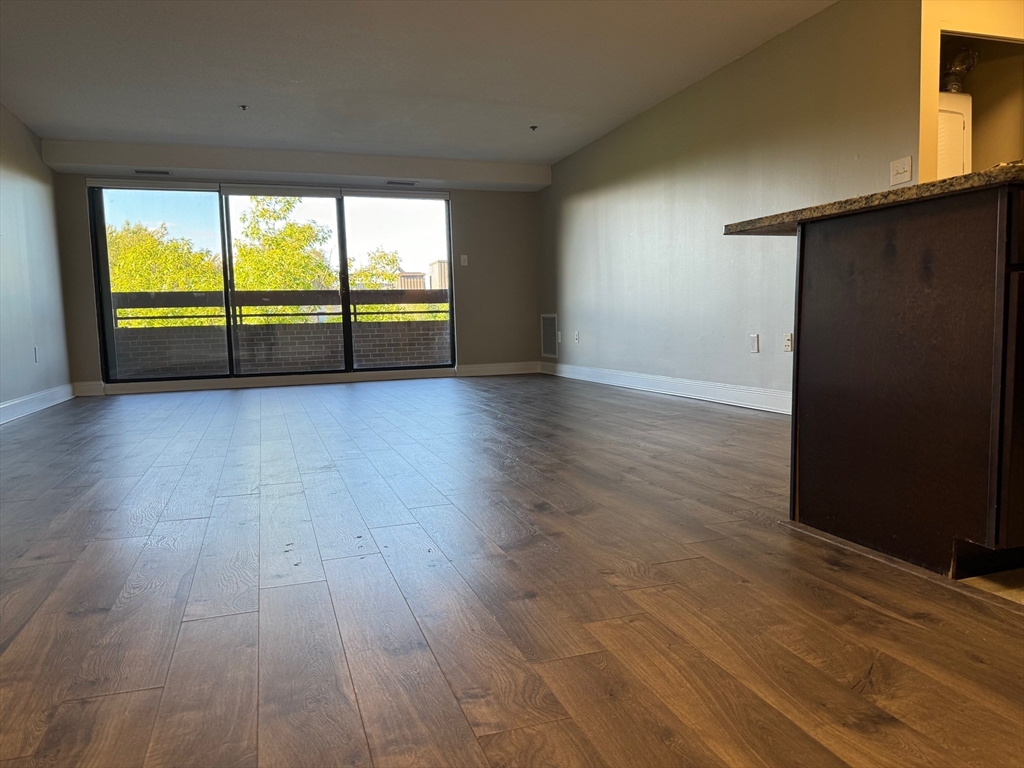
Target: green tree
380,272
144,259
275,253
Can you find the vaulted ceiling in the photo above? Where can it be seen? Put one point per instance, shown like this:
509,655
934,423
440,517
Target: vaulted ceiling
457,80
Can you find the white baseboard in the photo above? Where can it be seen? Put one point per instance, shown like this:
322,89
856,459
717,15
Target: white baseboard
776,400
88,388
22,406
498,369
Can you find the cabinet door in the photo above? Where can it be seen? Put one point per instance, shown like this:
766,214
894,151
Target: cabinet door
895,375
1011,508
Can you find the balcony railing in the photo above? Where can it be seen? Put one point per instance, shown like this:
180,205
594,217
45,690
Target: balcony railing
250,305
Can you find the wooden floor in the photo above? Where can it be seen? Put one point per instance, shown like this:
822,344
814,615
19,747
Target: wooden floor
1008,584
508,571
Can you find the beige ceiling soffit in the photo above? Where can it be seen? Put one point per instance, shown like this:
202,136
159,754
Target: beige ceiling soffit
274,165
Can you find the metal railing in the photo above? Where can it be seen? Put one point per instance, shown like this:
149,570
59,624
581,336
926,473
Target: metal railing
312,303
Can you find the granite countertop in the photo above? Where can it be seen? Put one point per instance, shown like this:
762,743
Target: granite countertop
786,223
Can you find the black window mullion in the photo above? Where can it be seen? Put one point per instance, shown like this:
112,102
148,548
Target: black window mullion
346,308
451,282
101,272
227,264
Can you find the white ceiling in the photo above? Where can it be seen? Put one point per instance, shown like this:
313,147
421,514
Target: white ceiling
457,80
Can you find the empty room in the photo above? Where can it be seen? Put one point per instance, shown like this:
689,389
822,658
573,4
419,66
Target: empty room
511,384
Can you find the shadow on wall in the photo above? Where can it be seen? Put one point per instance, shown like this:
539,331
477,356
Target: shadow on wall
633,252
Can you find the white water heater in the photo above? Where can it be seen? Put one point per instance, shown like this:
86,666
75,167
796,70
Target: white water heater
954,134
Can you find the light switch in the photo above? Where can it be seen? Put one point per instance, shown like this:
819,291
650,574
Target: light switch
787,342
755,343
465,260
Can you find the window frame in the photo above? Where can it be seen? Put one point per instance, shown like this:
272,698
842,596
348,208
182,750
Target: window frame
101,270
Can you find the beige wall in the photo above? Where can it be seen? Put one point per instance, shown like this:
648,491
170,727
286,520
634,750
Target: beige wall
31,314
76,268
496,311
987,18
996,86
495,296
633,252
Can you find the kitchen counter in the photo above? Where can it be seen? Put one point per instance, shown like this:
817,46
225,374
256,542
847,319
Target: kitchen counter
786,223
908,370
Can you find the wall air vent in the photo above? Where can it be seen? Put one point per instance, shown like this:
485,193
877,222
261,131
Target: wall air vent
549,335
400,183
145,172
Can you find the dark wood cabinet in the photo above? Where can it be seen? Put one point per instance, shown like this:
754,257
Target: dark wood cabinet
907,433
908,371
1010,524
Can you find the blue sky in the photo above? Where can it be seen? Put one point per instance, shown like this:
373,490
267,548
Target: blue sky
192,215
416,228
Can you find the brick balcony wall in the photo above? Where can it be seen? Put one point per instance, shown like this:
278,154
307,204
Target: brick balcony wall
202,350
291,347
192,350
390,345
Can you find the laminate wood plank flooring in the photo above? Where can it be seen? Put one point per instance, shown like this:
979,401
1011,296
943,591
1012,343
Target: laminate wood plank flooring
25,522
1008,584
240,473
227,578
69,533
535,619
560,743
209,705
22,591
376,500
977,669
277,462
834,715
195,492
104,732
408,484
504,571
495,685
308,712
627,723
340,529
144,505
135,646
870,581
288,548
41,661
410,714
732,719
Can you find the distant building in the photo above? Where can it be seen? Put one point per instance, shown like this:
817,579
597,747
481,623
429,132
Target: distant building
438,275
412,281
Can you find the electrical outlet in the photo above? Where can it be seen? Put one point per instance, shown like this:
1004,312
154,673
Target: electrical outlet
787,342
464,259
755,343
901,171
558,337
577,337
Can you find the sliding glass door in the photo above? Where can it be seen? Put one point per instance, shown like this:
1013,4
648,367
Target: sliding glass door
286,304
162,283
241,281
399,272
